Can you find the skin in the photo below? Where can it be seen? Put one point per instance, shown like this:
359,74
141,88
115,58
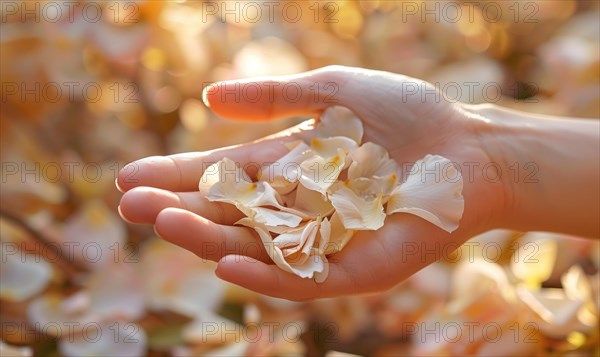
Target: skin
405,116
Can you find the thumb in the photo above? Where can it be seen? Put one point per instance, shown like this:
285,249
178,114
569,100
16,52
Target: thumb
307,93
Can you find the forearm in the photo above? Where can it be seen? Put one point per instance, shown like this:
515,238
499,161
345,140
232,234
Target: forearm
551,169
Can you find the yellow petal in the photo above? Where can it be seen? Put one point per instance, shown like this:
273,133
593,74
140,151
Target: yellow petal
433,191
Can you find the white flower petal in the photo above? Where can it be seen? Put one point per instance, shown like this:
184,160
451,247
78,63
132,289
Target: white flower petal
339,235
117,338
96,229
54,313
117,292
22,275
340,121
264,195
324,235
270,217
248,197
305,270
371,160
175,279
226,182
576,284
555,314
308,204
318,173
251,223
432,192
300,241
533,262
225,175
328,147
211,329
284,173
472,279
356,212
7,350
197,292
369,188
321,276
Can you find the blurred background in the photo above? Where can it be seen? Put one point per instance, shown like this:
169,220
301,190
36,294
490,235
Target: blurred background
89,86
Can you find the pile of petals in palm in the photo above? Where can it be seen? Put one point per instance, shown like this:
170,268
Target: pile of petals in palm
308,204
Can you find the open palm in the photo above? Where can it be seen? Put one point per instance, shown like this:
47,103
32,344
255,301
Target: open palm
405,115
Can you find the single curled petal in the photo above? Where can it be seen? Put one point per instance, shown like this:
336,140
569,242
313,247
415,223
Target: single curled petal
432,191
340,121
306,269
357,212
284,173
321,276
223,178
308,204
324,235
318,173
339,236
371,160
252,223
269,216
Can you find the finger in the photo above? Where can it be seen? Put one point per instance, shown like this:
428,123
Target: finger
143,204
207,239
306,93
182,172
268,97
243,271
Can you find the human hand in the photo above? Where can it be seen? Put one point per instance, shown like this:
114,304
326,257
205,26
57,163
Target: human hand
404,115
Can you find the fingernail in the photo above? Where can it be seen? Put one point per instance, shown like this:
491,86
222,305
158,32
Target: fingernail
205,94
119,187
122,216
156,232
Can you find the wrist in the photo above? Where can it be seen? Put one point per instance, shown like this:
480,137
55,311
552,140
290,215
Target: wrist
549,169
